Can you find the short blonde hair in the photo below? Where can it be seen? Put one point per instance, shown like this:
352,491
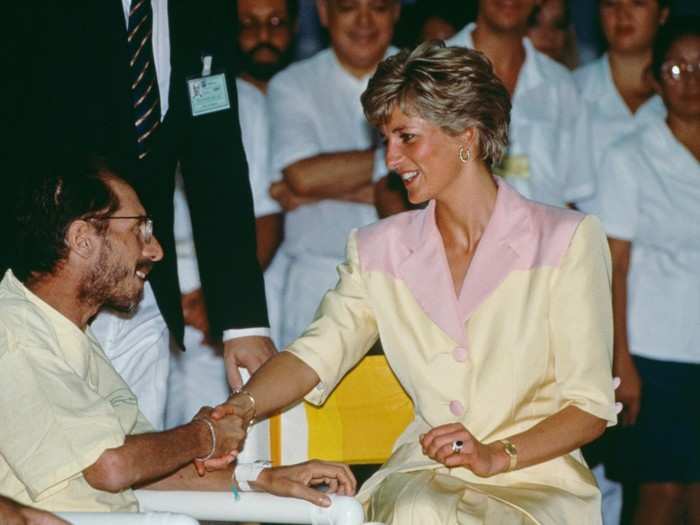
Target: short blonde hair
454,88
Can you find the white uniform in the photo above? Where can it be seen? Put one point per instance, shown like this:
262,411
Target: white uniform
650,197
609,117
314,107
139,344
543,163
198,376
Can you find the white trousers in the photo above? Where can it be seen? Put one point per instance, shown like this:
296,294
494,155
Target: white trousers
138,345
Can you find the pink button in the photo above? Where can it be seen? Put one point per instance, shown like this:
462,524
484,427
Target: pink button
460,354
456,408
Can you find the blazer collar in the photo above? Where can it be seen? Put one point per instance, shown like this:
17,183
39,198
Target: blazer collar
426,272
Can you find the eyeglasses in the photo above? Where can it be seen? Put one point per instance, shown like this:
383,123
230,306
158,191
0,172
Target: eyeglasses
678,72
253,25
145,225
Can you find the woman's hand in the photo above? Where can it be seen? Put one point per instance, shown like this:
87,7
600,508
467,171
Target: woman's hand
482,460
297,481
629,393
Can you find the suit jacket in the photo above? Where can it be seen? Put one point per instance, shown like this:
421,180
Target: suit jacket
529,334
70,90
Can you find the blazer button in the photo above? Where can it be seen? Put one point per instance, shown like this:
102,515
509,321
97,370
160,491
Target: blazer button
460,354
457,408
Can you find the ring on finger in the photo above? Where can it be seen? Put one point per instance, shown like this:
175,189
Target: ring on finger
457,446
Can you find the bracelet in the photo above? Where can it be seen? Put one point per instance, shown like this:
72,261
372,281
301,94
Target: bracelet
252,403
213,438
511,452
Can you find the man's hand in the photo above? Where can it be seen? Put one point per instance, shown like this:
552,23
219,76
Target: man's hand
247,352
482,460
297,481
230,434
629,393
13,513
290,201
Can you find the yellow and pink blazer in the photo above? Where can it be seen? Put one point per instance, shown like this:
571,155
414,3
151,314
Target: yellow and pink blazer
529,334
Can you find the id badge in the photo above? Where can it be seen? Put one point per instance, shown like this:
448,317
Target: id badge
515,167
208,94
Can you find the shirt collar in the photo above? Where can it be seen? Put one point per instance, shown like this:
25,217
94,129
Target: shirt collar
59,321
531,71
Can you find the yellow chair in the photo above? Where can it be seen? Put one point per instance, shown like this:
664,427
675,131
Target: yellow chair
358,424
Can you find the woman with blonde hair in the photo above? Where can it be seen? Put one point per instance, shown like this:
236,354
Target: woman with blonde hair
493,311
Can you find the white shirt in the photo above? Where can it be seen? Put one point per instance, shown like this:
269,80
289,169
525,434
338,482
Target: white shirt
609,117
545,118
650,196
252,115
161,47
314,107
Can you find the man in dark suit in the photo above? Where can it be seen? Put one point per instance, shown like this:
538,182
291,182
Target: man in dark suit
72,70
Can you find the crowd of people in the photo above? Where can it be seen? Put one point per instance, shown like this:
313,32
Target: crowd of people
533,279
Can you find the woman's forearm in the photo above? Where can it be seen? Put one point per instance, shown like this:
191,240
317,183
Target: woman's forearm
281,381
620,252
555,436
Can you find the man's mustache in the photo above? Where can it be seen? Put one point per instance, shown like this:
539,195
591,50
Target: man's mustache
265,46
144,265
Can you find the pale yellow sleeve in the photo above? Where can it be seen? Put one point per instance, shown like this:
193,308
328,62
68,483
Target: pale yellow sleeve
343,331
581,325
53,424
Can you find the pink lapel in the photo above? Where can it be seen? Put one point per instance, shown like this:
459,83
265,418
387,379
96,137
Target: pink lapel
504,241
427,275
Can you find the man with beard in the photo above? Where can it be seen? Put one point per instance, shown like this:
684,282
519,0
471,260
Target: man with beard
265,38
72,436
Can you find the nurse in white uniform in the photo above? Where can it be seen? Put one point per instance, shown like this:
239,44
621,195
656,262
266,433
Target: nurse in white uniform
318,132
650,208
615,87
197,377
542,163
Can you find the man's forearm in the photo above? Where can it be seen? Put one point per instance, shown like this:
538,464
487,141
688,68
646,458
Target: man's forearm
146,457
330,175
186,478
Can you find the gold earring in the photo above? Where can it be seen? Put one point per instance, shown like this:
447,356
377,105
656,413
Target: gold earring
465,158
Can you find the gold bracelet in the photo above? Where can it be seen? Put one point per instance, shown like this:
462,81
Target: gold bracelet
252,403
512,453
213,437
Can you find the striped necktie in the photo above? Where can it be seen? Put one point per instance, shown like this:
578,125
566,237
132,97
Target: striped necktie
144,83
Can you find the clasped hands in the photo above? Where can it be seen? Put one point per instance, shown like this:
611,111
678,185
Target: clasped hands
231,420
484,460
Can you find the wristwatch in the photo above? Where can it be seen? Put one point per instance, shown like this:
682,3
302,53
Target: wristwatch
512,453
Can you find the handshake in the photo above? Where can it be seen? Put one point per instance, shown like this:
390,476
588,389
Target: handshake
227,426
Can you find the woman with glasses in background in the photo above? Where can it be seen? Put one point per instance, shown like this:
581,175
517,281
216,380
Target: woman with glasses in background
616,87
619,96
650,207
